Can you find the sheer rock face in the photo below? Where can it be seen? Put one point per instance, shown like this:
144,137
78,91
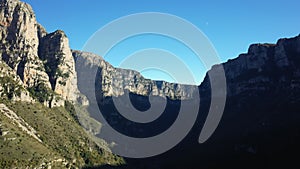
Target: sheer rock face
36,56
11,85
264,69
33,54
54,50
19,42
115,81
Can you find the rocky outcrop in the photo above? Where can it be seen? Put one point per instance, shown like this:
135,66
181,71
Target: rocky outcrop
19,121
19,42
11,85
115,81
264,68
19,51
260,122
42,61
55,52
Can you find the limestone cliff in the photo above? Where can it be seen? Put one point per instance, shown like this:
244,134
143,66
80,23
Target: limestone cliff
115,81
36,56
54,50
42,61
11,85
265,68
260,69
19,42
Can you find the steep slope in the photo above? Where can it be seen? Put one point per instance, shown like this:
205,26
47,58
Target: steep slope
42,61
260,125
266,68
38,89
115,81
35,136
19,47
11,85
103,84
55,52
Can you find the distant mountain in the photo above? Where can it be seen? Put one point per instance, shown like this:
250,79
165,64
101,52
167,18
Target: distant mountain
260,125
41,86
115,81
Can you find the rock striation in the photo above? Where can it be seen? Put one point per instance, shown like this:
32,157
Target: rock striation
263,88
43,62
38,57
11,85
59,63
116,82
264,68
19,42
260,122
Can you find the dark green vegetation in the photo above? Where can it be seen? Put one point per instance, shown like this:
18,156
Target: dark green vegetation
52,69
41,93
10,88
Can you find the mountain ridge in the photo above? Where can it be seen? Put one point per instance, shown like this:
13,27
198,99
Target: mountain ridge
42,82
56,60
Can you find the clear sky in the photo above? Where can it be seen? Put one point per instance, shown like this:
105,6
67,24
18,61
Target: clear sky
230,25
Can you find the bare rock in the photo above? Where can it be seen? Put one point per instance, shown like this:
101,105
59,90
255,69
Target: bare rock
113,81
11,85
19,47
263,69
55,52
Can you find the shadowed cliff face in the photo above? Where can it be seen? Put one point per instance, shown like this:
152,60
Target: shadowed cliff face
260,124
105,85
266,68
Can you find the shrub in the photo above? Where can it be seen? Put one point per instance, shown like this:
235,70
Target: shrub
40,92
71,109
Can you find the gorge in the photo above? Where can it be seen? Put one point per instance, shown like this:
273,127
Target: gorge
46,111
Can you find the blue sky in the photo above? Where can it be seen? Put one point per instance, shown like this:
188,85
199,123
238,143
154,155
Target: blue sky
230,25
